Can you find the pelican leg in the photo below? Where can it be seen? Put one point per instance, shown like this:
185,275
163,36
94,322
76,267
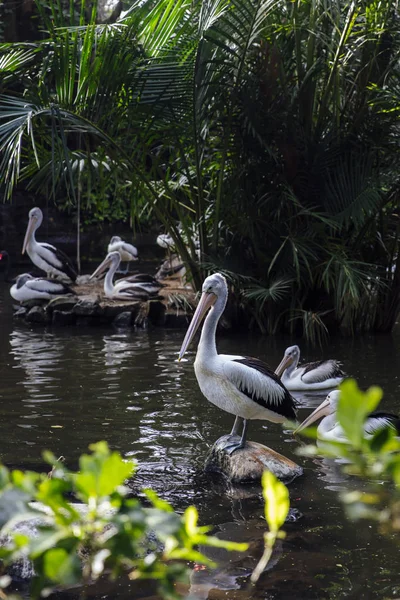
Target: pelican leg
237,425
233,442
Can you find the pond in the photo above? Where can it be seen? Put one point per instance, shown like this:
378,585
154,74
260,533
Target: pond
63,389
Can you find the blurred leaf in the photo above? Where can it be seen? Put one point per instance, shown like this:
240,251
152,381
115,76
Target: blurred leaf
276,496
353,408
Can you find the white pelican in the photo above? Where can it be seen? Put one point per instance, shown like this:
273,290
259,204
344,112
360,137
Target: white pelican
45,256
27,288
164,240
318,375
242,386
146,281
329,428
122,289
127,251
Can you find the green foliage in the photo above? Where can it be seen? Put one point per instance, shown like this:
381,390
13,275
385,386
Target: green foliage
372,458
107,533
276,498
269,128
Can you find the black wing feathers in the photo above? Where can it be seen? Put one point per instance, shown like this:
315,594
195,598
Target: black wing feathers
66,262
286,406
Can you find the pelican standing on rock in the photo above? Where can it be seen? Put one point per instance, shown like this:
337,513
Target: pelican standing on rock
126,251
242,386
330,430
27,288
122,289
318,375
45,256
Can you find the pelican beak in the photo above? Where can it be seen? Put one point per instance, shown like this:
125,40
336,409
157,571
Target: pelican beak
321,411
207,300
101,268
29,231
283,365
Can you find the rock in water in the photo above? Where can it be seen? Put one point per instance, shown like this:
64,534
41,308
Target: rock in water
249,463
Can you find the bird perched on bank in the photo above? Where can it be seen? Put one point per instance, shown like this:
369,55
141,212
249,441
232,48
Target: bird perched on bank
330,430
244,387
146,281
126,251
318,375
45,256
122,289
27,288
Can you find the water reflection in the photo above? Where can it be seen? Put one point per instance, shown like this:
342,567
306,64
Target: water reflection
64,389
39,355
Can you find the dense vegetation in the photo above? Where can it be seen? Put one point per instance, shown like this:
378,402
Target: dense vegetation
266,128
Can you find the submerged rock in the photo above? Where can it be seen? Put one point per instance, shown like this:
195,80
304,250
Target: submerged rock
124,319
37,314
249,463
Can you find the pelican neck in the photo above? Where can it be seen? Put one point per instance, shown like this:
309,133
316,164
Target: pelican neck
207,346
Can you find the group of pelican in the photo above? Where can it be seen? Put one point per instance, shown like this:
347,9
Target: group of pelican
60,272
248,389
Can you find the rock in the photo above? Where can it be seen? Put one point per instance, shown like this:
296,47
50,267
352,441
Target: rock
63,317
37,314
115,308
157,312
249,463
61,303
20,313
124,319
86,308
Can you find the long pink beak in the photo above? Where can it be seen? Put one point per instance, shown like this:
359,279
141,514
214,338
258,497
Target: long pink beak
206,302
321,411
283,365
29,231
101,268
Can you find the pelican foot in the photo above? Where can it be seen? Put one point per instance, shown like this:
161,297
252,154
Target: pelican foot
229,444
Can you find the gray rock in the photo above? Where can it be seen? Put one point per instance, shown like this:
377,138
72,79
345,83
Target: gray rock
124,319
113,309
249,463
37,314
61,303
63,317
86,308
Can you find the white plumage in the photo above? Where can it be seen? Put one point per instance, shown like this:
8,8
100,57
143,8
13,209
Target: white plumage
242,386
320,375
127,252
330,429
45,256
123,289
33,288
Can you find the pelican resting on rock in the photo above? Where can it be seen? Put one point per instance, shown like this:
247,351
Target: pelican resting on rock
318,375
330,430
45,256
122,289
245,387
126,251
27,288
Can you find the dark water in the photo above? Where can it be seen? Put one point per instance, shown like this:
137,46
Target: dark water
63,389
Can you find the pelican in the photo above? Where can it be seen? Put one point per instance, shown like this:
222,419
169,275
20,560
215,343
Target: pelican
330,430
45,256
164,240
146,281
122,289
27,288
127,251
242,386
310,376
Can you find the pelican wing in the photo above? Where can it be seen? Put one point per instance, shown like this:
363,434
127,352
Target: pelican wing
259,383
129,248
59,260
49,286
380,420
317,372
